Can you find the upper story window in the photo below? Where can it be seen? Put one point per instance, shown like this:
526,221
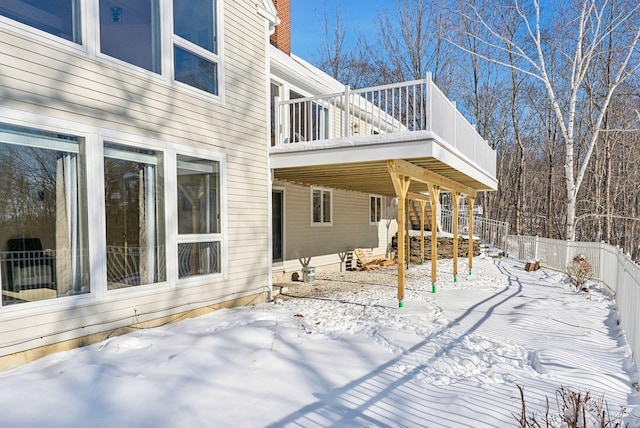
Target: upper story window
135,31
130,31
309,120
195,44
58,17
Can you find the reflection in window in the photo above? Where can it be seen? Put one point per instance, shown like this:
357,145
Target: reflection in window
195,71
130,32
43,229
195,47
195,21
198,216
58,17
134,208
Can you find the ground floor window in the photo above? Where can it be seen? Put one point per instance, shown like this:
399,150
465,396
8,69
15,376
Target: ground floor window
134,211
56,233
43,215
321,203
375,209
199,216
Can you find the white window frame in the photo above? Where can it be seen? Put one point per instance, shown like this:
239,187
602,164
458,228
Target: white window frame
322,190
194,49
221,237
89,22
379,215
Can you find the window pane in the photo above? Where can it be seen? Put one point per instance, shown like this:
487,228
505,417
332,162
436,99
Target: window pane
198,258
194,20
317,207
195,71
43,229
378,209
198,195
129,31
134,209
57,17
372,209
326,207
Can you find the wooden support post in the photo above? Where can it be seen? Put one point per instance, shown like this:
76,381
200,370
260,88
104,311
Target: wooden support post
401,184
422,213
407,240
434,194
455,197
471,200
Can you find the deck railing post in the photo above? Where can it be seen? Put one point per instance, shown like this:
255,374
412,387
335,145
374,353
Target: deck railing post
428,104
347,111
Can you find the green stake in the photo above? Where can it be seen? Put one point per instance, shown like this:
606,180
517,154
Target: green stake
433,287
400,304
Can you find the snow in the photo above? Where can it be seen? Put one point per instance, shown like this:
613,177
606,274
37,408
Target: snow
345,355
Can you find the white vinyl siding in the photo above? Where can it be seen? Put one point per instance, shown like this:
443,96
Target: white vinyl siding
67,90
322,245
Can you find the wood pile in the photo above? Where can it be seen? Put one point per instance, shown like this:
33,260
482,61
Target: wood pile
445,247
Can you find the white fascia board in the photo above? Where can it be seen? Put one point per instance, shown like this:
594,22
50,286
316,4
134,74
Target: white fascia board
406,146
267,10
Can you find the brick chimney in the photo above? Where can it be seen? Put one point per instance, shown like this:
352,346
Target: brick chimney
281,38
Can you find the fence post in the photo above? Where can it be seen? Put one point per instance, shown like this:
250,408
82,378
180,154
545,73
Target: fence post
535,248
347,111
601,267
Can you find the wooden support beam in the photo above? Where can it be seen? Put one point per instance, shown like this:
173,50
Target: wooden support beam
401,186
455,196
434,193
471,200
423,205
418,197
407,169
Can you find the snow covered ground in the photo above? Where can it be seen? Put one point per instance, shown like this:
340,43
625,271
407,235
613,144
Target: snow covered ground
346,356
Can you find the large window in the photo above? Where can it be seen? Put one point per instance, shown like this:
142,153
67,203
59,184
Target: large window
199,216
130,31
134,210
43,220
58,17
321,201
195,44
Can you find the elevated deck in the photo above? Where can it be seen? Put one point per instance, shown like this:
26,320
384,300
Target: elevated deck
345,140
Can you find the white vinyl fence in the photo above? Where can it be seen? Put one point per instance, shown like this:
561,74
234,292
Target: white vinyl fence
611,267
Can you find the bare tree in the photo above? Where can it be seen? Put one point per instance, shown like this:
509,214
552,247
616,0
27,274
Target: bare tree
583,31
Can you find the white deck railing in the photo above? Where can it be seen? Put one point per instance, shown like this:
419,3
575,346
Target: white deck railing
611,267
490,232
418,105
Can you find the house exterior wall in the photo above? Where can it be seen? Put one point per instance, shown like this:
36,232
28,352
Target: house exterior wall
51,84
325,246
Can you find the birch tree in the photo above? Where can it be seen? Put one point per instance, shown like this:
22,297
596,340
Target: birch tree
575,34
